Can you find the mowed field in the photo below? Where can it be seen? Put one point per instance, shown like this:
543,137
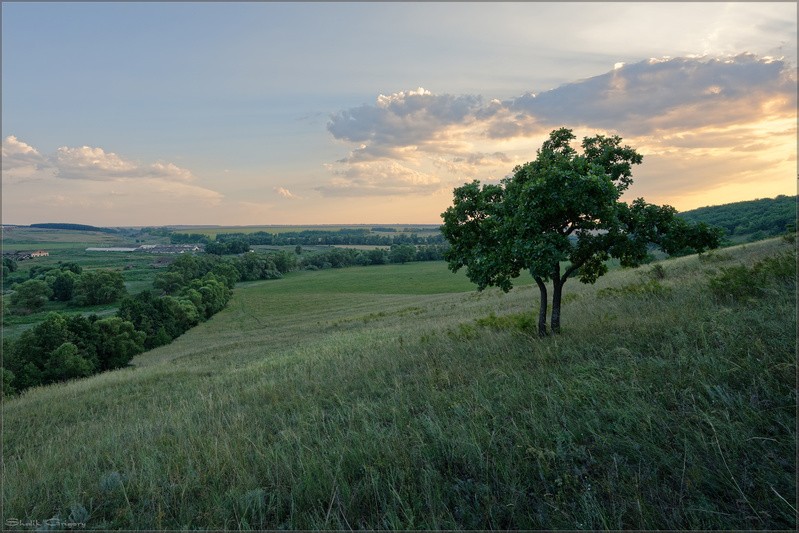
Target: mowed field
372,398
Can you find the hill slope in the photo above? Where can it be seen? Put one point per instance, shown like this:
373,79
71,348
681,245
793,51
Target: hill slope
346,399
756,218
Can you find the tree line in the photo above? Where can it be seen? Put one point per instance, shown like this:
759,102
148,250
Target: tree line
191,290
359,236
397,254
66,282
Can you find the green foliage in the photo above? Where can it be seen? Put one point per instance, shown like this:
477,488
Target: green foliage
523,322
63,284
214,295
562,208
402,253
9,265
61,348
65,363
29,296
254,266
763,217
236,246
8,387
651,287
284,261
118,342
161,319
168,282
377,256
740,283
99,287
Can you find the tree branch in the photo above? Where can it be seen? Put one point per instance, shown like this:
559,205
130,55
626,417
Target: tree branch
572,268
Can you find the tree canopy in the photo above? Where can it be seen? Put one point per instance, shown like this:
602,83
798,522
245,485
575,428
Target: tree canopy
561,216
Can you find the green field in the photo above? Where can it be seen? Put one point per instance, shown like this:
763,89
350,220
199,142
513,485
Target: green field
371,398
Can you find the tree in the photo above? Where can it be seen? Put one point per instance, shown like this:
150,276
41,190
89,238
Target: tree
9,266
30,296
168,282
402,253
62,282
99,287
65,362
560,216
377,256
118,342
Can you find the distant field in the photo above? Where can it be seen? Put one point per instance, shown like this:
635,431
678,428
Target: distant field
19,238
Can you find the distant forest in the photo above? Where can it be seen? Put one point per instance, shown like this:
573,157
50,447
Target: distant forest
312,237
758,219
73,227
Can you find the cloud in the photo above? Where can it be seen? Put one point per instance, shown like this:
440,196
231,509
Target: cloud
285,193
17,154
21,161
730,102
87,181
93,163
658,94
380,178
404,119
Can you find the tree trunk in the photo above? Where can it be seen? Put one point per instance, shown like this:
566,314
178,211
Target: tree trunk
557,292
542,310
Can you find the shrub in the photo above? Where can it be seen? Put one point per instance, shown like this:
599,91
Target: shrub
651,287
741,283
524,322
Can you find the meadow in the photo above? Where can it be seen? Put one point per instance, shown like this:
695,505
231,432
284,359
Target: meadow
398,397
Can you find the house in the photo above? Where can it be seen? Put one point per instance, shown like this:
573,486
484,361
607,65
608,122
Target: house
39,253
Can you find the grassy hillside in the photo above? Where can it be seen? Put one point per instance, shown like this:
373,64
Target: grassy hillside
372,398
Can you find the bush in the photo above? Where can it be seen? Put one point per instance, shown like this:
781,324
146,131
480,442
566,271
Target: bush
651,287
741,283
524,322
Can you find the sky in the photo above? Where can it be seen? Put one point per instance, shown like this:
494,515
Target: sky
263,113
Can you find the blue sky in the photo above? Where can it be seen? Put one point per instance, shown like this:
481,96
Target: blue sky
299,113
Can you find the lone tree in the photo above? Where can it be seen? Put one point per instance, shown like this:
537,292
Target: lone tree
560,216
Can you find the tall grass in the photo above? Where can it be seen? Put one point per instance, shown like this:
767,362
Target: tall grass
329,401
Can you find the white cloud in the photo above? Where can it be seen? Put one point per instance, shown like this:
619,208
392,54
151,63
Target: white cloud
18,154
87,182
21,161
407,139
94,163
285,193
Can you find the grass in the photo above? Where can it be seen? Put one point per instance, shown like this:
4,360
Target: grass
386,398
